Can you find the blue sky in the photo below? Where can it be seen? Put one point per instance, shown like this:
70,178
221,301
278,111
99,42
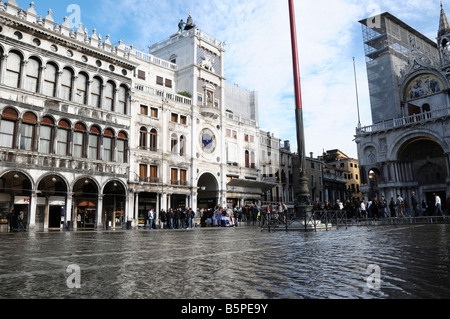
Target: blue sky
258,55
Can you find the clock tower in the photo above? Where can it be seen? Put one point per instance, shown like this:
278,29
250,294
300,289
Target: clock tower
199,59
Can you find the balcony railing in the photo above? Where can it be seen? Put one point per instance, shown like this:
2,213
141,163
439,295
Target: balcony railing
405,121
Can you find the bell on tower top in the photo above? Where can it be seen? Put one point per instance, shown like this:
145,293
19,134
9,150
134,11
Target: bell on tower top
189,23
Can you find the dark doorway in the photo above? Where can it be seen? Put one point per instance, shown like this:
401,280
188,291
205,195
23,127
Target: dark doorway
54,217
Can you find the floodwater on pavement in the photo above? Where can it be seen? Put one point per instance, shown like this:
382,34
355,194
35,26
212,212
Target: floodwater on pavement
410,261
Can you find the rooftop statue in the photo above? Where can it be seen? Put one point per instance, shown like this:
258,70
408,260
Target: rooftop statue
181,24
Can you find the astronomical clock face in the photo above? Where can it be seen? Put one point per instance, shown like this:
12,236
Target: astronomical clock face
207,141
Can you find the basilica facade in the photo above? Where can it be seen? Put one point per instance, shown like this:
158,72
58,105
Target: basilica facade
94,134
406,149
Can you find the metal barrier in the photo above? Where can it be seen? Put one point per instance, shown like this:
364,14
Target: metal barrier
317,220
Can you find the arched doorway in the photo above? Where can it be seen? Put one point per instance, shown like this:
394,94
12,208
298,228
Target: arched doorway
428,167
51,202
85,195
114,204
208,191
374,181
15,197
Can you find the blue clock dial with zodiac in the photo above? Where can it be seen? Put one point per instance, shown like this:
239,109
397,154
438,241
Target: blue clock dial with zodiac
207,141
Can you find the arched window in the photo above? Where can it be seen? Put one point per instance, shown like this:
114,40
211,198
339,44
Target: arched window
96,90
46,135
247,159
143,138
50,80
79,140
174,144
94,137
66,84
82,81
153,140
122,100
121,147
182,145
28,131
62,138
8,126
108,138
13,69
32,78
109,97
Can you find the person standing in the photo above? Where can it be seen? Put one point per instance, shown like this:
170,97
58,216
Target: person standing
399,203
20,222
363,209
382,205
162,219
392,207
151,216
170,218
414,204
437,204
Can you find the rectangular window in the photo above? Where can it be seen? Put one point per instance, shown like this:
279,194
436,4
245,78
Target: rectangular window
234,134
107,149
174,176
61,141
246,137
93,146
78,145
144,110
228,132
183,119
174,117
168,83
120,151
159,80
141,74
143,172
154,112
252,139
45,135
183,174
153,174
7,129
26,138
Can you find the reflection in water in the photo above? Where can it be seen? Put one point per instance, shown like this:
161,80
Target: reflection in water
238,263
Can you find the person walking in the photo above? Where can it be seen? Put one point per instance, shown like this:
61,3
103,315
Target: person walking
437,204
20,222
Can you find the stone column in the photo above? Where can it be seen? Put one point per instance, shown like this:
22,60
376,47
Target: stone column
32,217
99,222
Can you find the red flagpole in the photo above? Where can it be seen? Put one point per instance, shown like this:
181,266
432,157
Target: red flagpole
304,197
298,93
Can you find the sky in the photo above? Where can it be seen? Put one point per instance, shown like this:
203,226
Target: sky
258,53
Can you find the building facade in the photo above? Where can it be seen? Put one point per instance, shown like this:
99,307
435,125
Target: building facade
94,134
406,149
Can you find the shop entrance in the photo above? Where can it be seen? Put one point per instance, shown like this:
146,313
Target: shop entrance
86,197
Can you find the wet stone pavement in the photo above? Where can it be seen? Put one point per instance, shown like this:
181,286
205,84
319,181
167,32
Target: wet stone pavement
231,263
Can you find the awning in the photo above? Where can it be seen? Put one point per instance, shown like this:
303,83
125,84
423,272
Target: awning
246,183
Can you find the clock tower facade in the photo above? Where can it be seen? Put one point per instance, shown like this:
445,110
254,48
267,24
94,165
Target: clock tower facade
200,61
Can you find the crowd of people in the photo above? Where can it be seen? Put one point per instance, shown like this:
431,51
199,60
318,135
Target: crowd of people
381,208
211,217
